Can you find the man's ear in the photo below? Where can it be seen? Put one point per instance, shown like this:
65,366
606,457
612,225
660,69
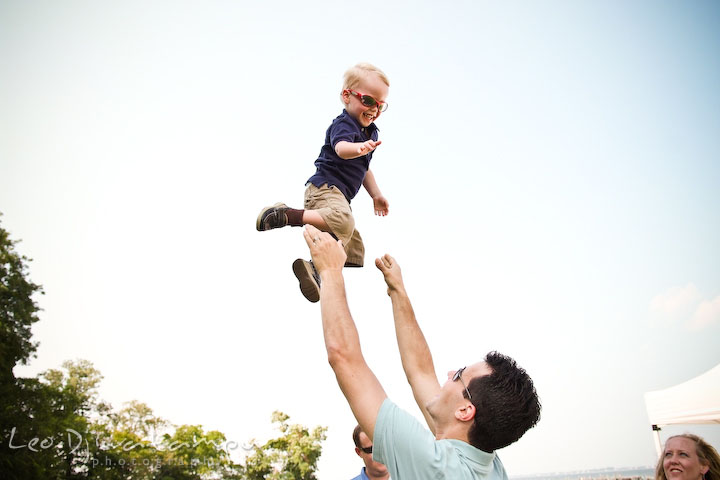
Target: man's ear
357,450
465,413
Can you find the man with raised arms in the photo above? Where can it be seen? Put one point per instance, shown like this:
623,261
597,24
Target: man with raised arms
479,409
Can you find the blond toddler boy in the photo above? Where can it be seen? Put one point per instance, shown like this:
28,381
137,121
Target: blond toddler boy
341,168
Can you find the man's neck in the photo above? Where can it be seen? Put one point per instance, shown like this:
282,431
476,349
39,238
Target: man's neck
371,477
454,431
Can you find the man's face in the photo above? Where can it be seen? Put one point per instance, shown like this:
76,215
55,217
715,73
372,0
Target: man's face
443,406
373,468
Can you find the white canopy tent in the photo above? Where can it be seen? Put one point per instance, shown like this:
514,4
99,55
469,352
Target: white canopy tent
691,402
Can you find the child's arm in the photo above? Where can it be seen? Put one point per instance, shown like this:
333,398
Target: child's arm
380,203
348,150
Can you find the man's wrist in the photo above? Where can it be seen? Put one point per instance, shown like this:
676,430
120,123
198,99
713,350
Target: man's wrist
398,291
328,274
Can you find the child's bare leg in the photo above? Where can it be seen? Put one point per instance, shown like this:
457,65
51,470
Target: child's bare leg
312,217
280,215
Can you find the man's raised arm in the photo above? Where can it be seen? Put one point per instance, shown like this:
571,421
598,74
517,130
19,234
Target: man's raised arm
357,382
414,351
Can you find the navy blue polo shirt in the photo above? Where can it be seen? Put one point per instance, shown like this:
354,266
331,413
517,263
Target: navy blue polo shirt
346,175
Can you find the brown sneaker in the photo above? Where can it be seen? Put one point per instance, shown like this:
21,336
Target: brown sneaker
309,279
272,217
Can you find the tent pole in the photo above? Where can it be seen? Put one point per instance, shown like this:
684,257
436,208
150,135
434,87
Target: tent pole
658,445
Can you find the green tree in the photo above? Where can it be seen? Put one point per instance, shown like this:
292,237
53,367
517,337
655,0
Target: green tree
18,312
132,445
55,427
71,399
291,456
18,309
126,443
48,438
196,454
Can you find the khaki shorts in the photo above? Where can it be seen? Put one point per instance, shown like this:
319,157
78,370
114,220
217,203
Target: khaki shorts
334,208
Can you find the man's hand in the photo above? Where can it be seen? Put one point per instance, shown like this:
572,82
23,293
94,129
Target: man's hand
327,253
381,205
367,147
391,271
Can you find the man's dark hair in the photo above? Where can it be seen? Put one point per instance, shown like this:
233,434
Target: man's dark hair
506,404
356,436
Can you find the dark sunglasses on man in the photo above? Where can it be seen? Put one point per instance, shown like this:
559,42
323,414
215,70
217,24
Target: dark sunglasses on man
367,450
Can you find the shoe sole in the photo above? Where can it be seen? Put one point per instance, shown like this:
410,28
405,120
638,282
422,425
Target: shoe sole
259,222
304,273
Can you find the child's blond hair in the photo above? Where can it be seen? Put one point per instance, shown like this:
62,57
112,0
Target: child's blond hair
355,74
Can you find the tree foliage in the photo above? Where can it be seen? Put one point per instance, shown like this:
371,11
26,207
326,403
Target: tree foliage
51,414
67,432
54,426
18,312
18,309
291,456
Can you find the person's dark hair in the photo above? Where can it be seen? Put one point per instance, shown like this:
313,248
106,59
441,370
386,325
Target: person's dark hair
356,436
506,404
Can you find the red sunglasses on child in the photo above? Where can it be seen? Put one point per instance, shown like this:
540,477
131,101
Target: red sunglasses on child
367,100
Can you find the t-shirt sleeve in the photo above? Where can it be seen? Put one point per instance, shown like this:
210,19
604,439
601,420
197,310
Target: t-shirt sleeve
342,130
399,435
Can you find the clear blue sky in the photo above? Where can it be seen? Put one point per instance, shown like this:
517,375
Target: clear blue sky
552,170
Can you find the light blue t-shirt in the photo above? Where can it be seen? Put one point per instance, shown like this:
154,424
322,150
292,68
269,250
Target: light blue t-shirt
411,452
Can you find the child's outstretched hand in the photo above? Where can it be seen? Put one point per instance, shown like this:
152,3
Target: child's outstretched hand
381,205
368,146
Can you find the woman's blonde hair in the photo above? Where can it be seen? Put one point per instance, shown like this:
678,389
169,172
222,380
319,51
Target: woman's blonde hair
706,452
355,74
